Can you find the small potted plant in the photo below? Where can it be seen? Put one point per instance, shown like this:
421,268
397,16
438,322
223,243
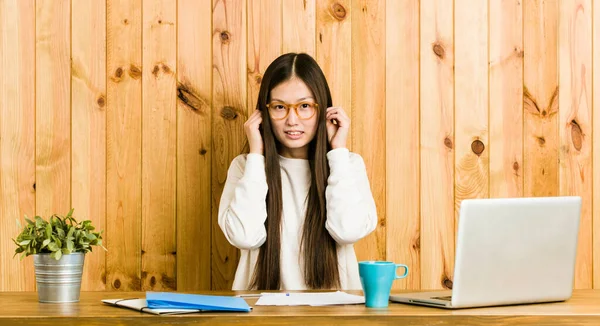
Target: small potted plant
58,246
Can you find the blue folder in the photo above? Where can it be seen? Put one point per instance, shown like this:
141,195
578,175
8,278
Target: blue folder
172,300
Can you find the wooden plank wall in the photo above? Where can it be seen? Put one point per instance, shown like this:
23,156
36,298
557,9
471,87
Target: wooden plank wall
194,146
230,110
436,148
88,109
130,111
124,144
17,137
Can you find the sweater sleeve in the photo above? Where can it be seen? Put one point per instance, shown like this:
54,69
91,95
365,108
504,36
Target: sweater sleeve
242,209
351,211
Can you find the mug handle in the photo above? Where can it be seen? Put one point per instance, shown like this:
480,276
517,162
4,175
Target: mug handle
405,271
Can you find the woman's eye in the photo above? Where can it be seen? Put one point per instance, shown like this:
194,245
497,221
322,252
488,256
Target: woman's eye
279,107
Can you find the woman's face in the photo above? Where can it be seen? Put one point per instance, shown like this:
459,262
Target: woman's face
298,128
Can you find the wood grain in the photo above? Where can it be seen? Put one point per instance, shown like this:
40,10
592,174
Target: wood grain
53,107
334,51
575,122
596,147
71,121
368,112
264,44
540,98
506,98
23,309
299,24
437,144
124,144
17,140
471,178
159,137
88,110
229,114
194,148
402,141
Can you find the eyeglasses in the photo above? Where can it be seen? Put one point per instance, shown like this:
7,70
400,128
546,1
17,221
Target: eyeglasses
280,110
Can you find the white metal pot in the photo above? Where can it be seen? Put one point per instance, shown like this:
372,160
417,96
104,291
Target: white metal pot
58,281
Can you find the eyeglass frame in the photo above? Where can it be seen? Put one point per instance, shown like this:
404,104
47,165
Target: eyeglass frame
292,106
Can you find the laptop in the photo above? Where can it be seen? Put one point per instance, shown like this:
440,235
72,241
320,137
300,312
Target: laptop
510,251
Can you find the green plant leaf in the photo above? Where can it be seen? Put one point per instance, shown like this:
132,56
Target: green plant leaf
57,235
39,223
87,225
24,242
52,246
56,254
45,243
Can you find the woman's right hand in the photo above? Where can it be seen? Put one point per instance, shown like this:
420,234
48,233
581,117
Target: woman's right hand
253,134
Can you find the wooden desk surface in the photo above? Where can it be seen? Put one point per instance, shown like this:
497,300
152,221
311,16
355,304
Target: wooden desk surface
23,308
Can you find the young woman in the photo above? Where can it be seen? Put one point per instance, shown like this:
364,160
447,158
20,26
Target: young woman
296,203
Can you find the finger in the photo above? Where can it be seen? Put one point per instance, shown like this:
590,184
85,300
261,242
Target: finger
252,116
331,125
253,122
334,115
343,112
333,118
329,121
256,115
340,111
332,109
341,120
331,129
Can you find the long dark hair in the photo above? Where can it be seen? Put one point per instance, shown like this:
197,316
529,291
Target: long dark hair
319,248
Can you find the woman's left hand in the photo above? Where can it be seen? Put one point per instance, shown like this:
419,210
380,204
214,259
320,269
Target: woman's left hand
337,132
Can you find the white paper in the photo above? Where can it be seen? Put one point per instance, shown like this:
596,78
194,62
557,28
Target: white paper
309,299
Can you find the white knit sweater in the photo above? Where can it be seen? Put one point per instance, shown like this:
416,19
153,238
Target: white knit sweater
351,214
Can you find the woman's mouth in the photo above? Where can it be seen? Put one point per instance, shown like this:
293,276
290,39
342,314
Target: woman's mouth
294,134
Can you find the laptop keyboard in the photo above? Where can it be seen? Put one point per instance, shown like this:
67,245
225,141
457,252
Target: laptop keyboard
446,298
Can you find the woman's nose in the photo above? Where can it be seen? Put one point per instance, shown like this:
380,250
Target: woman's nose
292,118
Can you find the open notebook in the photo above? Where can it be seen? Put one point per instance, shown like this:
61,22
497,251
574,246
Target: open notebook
142,306
180,303
169,300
